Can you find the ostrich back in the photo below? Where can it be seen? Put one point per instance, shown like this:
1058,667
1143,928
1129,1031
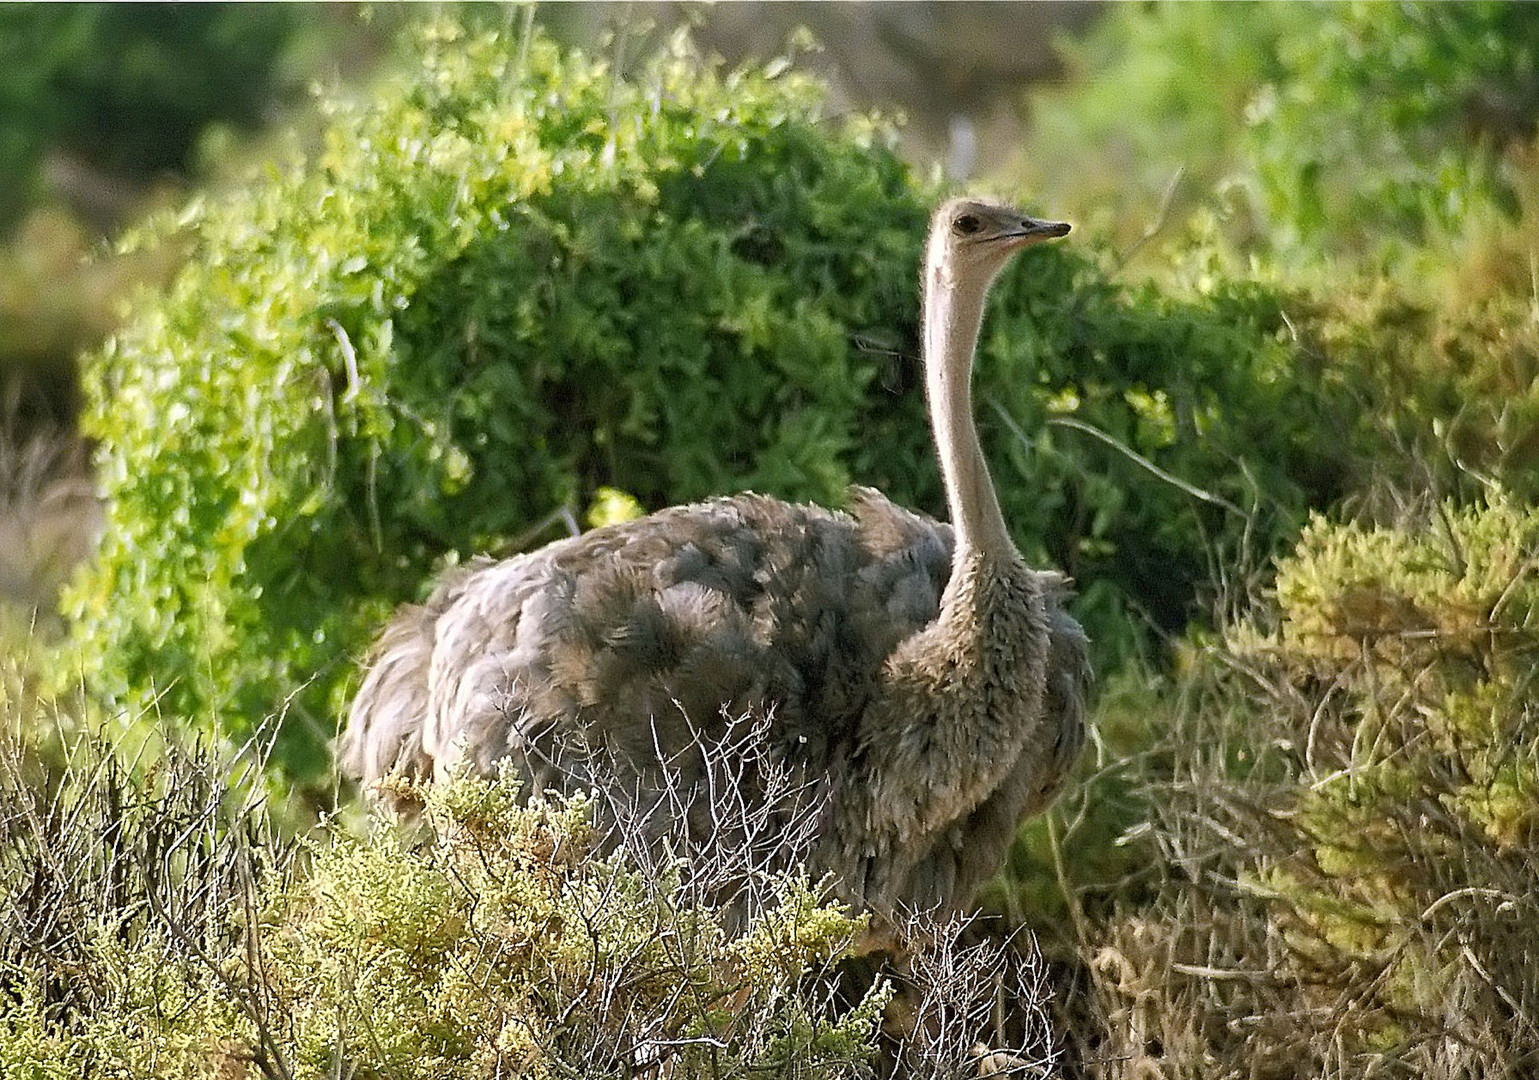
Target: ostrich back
640,638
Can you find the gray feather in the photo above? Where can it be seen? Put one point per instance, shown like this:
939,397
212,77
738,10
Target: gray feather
706,612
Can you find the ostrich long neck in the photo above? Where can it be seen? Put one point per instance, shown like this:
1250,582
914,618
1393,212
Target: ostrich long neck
952,317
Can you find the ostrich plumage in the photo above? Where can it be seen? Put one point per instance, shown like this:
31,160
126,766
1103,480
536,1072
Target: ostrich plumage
920,675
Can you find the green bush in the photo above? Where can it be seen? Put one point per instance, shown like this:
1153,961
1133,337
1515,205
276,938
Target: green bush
1448,391
1153,90
128,89
1387,123
1345,816
421,344
516,278
514,945
1305,132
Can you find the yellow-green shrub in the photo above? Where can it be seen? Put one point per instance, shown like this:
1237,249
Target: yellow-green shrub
162,931
1346,809
515,277
1448,389
510,943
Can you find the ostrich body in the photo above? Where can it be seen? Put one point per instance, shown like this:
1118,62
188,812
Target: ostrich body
919,674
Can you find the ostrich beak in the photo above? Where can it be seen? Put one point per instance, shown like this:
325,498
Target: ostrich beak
1030,230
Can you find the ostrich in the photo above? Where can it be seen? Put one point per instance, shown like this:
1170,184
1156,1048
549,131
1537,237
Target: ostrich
924,677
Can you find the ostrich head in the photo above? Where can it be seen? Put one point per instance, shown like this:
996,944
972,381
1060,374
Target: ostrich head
975,238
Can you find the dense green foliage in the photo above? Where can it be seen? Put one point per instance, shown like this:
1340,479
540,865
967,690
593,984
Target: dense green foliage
516,278
127,88
1153,90
1349,130
1430,93
417,346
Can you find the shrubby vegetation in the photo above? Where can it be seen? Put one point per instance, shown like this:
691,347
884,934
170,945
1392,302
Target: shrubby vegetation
163,930
1307,847
1305,844
163,922
516,279
1305,136
1344,814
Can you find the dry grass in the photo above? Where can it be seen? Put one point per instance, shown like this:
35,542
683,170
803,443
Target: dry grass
1300,929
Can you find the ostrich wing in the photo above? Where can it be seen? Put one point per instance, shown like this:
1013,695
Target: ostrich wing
635,633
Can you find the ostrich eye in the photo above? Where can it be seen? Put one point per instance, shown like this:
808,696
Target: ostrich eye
966,225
